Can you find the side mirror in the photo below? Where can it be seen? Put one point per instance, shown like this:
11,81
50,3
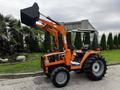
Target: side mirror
30,15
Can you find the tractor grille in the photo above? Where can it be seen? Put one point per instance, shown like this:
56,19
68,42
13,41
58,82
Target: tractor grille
57,57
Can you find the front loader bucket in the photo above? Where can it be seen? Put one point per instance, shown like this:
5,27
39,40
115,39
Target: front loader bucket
30,15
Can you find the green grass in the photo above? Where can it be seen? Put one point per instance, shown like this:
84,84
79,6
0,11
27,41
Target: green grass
111,56
33,62
31,65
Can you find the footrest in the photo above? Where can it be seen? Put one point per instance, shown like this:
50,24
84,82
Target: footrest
75,63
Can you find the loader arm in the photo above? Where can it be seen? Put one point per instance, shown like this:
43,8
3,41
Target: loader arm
54,29
53,32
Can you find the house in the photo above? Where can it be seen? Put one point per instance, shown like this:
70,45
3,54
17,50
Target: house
79,26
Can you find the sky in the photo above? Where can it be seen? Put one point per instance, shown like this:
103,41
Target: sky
104,15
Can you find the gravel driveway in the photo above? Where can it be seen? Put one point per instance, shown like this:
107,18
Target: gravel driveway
77,82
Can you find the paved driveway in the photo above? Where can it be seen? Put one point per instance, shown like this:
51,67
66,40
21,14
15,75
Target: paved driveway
77,82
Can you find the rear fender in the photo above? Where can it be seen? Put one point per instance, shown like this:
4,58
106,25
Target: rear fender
89,54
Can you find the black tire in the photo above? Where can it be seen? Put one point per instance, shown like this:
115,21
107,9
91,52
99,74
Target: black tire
55,75
97,72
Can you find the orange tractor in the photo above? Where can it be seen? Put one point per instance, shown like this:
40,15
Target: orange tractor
58,64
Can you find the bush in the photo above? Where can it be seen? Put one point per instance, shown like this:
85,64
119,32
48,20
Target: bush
95,42
78,41
69,40
103,42
47,41
110,41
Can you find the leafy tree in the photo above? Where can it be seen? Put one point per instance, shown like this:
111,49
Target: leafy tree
103,43
3,45
26,30
17,38
61,44
32,43
95,42
115,42
86,38
119,40
78,40
47,41
69,40
1,17
2,24
12,37
7,18
110,41
35,44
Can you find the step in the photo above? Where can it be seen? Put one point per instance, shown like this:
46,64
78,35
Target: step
75,63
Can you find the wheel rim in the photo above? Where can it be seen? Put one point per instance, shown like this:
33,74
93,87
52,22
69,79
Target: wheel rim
61,77
98,68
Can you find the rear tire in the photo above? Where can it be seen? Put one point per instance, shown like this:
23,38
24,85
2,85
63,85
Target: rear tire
60,76
95,68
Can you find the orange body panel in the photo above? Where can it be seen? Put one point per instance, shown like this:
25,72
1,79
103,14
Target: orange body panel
88,53
55,63
54,53
67,57
75,67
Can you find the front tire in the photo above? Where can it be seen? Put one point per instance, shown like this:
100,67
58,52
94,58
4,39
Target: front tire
60,76
95,68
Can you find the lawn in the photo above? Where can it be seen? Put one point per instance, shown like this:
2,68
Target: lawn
112,56
33,62
31,65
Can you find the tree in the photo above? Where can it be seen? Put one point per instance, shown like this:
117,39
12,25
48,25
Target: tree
115,42
95,42
119,40
47,41
1,17
86,38
2,24
110,41
103,43
69,40
26,30
61,44
78,41
17,39
32,43
35,44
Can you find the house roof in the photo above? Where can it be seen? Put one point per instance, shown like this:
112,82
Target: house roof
79,26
